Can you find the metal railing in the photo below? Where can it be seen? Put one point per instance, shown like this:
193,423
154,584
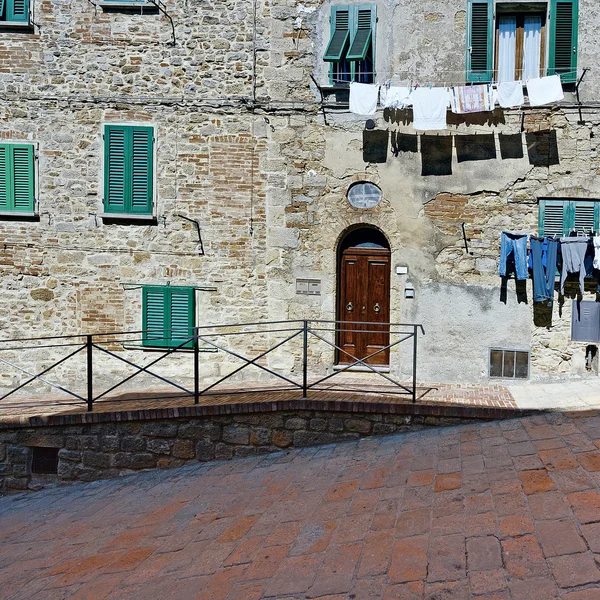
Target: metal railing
309,337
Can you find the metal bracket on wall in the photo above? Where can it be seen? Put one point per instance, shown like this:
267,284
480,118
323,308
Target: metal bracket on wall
161,7
322,99
581,121
465,238
201,251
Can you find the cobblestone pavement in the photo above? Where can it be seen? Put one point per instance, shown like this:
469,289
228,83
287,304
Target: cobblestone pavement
500,510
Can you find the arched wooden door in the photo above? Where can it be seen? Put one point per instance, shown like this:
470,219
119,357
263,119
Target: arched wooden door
364,301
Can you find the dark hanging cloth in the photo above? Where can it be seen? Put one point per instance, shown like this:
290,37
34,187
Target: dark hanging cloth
544,252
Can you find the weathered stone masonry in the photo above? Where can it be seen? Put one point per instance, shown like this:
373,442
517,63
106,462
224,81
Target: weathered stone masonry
243,148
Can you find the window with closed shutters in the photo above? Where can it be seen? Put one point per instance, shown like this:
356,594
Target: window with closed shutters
562,217
17,187
168,316
128,169
14,11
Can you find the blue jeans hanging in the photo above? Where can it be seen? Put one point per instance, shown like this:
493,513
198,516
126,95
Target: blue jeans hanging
514,244
543,262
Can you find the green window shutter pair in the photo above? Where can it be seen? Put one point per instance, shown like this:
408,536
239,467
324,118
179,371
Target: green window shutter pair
168,316
562,60
352,32
559,217
17,188
128,169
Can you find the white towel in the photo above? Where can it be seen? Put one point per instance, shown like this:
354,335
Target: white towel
510,93
597,252
395,97
544,90
363,98
429,108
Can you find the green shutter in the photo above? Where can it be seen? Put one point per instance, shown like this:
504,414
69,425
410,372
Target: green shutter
17,10
181,316
141,172
564,16
554,217
168,316
4,170
154,315
585,215
364,22
17,189
2,10
340,32
480,19
128,172
115,146
23,181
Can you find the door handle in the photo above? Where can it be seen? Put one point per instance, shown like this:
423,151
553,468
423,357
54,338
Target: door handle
349,307
377,308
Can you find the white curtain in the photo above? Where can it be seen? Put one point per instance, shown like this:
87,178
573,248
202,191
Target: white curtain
507,48
532,46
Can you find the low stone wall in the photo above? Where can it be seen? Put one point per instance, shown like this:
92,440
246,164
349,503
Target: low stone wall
112,449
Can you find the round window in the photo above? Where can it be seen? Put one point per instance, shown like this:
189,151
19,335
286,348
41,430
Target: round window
364,195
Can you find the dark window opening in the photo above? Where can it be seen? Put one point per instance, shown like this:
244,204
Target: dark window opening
45,461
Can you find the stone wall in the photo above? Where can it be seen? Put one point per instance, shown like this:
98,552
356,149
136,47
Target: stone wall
105,450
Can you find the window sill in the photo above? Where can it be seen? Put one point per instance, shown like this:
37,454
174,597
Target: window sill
13,215
162,349
362,368
125,6
21,25
128,218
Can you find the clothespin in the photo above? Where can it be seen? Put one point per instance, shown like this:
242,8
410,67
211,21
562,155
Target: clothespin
430,85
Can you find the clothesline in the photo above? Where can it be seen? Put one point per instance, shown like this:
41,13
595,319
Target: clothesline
430,104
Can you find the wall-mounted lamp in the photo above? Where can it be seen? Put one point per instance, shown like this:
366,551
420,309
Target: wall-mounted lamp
409,290
370,124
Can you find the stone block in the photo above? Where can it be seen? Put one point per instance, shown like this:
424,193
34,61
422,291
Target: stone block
236,435
383,428
247,419
198,430
109,443
134,460
295,423
359,425
336,424
318,424
69,455
40,439
96,459
205,450
89,442
16,483
133,444
183,449
159,446
312,438
21,470
160,429
283,439
72,442
223,451
260,436
17,455
169,463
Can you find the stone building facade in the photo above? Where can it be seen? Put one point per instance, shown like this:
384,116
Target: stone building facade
253,142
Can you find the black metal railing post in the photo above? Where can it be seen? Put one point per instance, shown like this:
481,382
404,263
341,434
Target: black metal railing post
414,373
305,360
90,372
196,367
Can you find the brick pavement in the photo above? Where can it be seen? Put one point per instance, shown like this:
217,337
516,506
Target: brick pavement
495,511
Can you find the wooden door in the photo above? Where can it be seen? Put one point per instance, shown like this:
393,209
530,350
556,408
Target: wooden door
364,298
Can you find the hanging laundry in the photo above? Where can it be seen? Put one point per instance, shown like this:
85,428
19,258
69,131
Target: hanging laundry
363,98
429,108
471,99
573,251
544,90
510,94
395,97
513,248
544,252
597,252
